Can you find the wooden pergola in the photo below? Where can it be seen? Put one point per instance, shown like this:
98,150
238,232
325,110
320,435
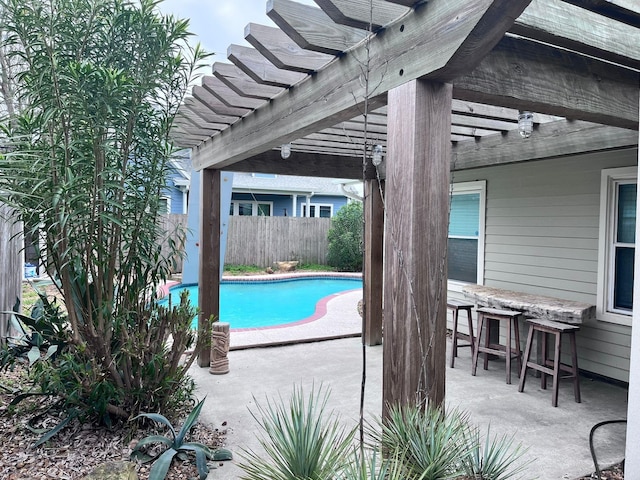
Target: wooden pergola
438,84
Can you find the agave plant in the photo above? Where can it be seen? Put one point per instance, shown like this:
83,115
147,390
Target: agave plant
176,446
498,459
299,440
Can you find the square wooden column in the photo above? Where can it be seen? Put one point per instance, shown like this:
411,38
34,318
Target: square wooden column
416,229
209,265
373,265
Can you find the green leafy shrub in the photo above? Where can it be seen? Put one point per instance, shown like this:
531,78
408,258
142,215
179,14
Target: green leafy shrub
345,251
86,162
177,446
77,380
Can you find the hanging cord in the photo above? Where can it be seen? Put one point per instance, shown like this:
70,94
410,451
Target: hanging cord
591,447
365,154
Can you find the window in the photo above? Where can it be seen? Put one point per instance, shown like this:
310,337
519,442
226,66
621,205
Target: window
318,210
465,250
616,252
164,205
251,209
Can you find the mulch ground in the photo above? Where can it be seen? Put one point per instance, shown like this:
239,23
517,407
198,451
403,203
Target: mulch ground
77,449
612,473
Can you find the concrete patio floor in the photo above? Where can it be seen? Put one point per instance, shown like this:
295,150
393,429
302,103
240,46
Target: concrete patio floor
557,438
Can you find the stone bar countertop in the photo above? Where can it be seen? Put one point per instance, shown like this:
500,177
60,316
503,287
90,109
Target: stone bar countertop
534,306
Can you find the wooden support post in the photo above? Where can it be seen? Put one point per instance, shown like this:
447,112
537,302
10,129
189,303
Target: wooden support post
373,264
417,217
209,275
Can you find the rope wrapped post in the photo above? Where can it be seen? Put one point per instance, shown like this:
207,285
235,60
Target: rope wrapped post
219,364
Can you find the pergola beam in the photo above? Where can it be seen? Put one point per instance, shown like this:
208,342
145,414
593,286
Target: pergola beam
243,84
549,140
282,51
527,75
363,14
253,63
457,33
567,26
306,164
312,29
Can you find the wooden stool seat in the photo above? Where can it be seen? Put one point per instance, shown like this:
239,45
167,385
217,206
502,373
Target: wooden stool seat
455,306
508,350
552,366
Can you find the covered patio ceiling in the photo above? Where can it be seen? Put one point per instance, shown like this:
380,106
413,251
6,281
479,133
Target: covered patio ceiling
306,82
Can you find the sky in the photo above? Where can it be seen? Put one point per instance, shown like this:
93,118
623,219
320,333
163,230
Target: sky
219,23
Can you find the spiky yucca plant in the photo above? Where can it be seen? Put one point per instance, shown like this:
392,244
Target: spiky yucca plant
497,459
428,441
371,465
301,439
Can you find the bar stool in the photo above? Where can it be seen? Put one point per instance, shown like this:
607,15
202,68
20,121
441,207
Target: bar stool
455,306
508,351
552,366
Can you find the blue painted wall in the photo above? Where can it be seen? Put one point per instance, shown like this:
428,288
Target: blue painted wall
174,193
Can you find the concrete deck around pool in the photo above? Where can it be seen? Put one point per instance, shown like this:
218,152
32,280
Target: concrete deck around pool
556,438
335,317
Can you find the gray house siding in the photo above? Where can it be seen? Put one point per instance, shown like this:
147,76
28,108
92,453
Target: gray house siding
542,226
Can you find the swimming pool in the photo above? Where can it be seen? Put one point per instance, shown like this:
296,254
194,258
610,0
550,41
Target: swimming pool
258,304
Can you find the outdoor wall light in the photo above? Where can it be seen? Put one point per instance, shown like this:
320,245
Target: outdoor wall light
376,155
525,123
285,150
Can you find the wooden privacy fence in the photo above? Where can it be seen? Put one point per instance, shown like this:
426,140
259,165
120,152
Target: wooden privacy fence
10,265
264,240
174,225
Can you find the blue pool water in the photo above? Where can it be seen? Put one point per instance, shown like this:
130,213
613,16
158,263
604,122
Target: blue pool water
263,304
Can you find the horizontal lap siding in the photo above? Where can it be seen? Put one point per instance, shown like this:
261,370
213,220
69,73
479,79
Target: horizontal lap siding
542,225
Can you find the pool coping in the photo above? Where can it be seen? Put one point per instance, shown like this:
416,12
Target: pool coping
336,315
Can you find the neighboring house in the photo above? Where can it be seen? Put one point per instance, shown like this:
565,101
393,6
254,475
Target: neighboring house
256,194
176,194
562,227
288,195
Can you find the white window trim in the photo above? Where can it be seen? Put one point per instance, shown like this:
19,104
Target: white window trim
480,187
316,209
254,207
167,198
608,180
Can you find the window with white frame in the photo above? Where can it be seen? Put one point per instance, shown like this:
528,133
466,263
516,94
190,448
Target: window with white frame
251,208
465,249
616,252
164,205
320,210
